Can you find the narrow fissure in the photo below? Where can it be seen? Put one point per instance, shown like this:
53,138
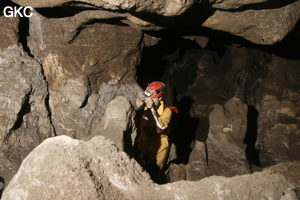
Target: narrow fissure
251,136
26,107
24,33
47,104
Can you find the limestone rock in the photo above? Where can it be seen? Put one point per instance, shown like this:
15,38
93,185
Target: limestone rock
235,4
278,129
118,124
261,26
25,120
86,65
166,8
177,172
255,21
225,147
197,168
65,168
8,34
278,107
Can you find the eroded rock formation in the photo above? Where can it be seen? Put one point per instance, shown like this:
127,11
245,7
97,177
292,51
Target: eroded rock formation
257,21
64,168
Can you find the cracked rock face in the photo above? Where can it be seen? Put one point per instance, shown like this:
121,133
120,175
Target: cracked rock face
279,113
86,63
25,121
257,21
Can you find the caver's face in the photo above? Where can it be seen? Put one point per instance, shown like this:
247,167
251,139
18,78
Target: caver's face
156,100
151,100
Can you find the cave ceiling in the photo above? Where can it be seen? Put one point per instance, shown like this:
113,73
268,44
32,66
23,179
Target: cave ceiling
262,22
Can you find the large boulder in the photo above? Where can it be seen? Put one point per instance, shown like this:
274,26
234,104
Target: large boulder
118,124
260,26
225,148
66,168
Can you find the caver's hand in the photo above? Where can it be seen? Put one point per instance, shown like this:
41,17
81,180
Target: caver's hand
140,100
149,102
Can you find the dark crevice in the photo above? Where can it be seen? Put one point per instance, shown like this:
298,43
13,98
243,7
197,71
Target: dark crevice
24,33
251,136
23,24
154,59
2,181
62,11
127,142
26,107
47,104
184,130
85,101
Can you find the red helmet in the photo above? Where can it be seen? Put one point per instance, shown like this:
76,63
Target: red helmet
155,89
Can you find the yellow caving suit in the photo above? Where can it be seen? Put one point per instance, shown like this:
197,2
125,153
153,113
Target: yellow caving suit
153,141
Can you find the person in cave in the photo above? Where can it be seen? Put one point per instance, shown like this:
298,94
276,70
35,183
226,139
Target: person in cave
153,120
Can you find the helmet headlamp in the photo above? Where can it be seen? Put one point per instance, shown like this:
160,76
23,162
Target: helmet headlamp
147,93
155,89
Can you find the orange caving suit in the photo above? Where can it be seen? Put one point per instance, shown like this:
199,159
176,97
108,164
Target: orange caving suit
153,141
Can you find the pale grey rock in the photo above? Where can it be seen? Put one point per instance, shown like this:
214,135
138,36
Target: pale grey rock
65,168
118,124
24,116
225,148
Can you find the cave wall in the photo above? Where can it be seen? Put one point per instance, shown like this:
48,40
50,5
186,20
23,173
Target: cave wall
278,107
58,78
85,67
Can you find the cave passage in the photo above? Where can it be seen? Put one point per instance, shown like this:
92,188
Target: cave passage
160,62
155,58
155,66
